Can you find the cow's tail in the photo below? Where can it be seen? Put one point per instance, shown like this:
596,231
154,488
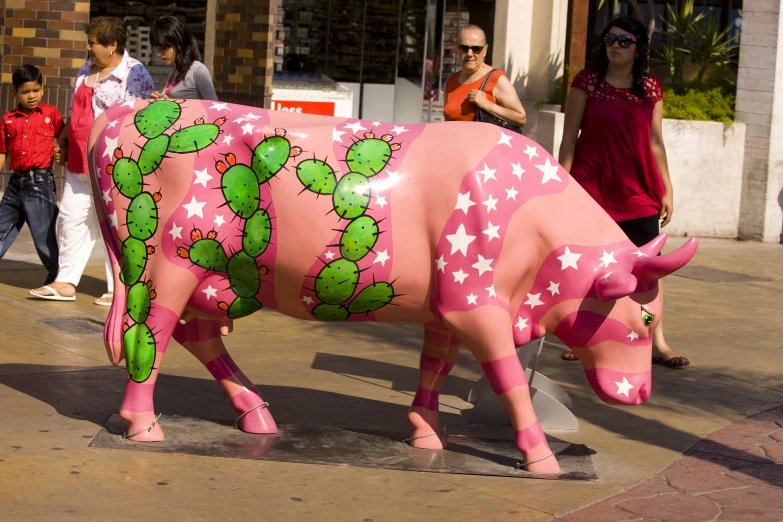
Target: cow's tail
112,330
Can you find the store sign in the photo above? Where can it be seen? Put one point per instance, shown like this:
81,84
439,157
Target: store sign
304,107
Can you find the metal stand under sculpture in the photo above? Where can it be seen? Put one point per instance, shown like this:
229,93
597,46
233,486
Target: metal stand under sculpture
550,402
210,211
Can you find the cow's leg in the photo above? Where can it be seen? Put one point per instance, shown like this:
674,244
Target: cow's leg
437,358
487,332
202,338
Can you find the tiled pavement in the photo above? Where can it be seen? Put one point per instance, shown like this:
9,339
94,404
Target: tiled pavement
735,474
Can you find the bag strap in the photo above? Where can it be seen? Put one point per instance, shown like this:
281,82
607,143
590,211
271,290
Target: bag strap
486,79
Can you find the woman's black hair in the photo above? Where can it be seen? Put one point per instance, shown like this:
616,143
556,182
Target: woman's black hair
641,63
168,31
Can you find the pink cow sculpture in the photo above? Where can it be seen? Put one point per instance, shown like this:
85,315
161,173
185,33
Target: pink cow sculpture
211,210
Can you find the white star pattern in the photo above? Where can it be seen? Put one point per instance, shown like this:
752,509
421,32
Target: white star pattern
399,130
219,106
554,288
329,255
219,220
490,203
306,299
227,139
633,336
550,171
383,256
483,265
472,298
511,194
491,231
521,323
505,139
491,291
534,300
210,292
607,259
639,253
176,232
376,123
112,124
113,219
569,259
202,177
531,152
441,264
251,117
488,173
239,120
247,128
460,241
464,203
195,208
111,144
355,126
106,196
459,276
336,135
624,387
381,201
517,170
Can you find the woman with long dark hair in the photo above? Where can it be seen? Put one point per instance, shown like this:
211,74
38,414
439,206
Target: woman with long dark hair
619,158
175,45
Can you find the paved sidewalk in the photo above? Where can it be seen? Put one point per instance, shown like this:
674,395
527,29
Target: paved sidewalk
735,474
691,453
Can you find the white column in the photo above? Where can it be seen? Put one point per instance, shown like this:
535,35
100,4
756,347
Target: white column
760,107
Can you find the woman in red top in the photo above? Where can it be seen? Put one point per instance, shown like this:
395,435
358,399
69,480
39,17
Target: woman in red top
463,89
619,157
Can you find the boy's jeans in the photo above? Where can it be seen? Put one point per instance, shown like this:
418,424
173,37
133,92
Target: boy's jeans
30,197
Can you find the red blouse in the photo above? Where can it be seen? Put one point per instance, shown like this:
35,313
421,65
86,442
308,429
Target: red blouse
458,107
613,159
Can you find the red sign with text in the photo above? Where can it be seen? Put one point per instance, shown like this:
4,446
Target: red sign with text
305,107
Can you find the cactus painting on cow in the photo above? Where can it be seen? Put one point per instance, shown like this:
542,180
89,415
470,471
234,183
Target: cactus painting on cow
212,211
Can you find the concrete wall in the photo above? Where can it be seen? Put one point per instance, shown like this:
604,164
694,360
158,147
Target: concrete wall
705,164
760,107
529,44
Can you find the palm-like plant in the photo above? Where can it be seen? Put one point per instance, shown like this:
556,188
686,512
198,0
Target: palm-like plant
712,46
680,26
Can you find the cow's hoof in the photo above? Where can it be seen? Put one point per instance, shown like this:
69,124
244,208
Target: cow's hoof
540,460
427,433
142,427
257,420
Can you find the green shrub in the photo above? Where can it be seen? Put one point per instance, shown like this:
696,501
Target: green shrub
713,104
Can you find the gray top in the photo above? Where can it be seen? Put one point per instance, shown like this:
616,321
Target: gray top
197,85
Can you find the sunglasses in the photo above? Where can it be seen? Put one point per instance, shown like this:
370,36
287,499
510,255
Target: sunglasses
624,41
475,48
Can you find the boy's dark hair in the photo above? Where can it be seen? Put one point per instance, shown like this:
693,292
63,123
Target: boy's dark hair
641,64
169,31
107,30
26,73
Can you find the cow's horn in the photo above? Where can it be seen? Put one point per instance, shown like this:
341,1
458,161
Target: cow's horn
615,285
652,268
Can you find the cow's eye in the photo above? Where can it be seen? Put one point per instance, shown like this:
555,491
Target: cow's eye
647,318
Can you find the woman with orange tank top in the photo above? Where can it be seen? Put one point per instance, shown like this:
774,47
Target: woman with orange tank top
464,95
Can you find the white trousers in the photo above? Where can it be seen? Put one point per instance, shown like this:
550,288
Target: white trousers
78,230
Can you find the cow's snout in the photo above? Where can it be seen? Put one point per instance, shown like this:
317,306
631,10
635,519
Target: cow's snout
615,387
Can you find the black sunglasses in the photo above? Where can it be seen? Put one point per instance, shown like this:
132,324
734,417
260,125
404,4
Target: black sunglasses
475,48
624,41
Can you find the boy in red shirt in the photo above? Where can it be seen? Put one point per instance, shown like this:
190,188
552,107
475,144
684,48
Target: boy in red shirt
27,137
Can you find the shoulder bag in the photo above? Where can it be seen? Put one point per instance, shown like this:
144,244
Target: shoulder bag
484,116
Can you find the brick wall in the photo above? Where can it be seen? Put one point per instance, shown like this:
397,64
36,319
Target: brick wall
244,48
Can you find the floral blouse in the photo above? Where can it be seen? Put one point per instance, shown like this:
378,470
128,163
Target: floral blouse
127,81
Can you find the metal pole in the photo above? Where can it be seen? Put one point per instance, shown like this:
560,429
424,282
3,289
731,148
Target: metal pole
361,61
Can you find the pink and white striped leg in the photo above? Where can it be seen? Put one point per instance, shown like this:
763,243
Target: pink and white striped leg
487,332
437,359
202,338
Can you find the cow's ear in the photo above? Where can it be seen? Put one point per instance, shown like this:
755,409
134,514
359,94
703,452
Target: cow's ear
614,285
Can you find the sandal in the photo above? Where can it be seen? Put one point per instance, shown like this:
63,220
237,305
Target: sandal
568,355
53,294
671,362
104,300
